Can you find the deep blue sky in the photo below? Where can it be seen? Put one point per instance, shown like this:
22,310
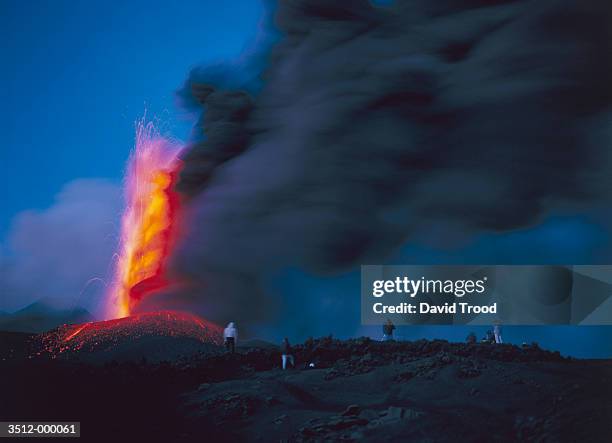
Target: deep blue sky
76,75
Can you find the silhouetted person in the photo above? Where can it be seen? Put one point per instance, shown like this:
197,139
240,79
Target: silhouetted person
230,336
489,337
286,353
388,329
471,338
497,333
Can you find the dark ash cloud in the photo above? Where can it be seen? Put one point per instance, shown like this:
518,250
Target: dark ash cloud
375,123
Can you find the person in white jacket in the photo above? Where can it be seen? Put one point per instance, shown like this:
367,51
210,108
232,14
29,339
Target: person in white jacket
497,333
230,336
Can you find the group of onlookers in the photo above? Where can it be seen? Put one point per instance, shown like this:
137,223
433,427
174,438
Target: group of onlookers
230,338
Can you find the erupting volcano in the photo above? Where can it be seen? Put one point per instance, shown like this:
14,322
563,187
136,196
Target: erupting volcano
148,234
148,228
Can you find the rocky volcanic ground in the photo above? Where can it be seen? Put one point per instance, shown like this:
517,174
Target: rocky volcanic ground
358,390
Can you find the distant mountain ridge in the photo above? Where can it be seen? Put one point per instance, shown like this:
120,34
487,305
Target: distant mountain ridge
41,316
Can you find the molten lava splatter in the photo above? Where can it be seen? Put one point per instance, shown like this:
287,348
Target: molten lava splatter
106,335
148,230
148,234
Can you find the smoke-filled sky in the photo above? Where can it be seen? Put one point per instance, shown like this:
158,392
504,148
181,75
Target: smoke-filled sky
346,133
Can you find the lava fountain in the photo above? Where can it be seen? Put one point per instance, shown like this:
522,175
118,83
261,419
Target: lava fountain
148,235
148,228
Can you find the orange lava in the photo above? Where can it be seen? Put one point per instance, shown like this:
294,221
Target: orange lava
75,332
148,229
104,335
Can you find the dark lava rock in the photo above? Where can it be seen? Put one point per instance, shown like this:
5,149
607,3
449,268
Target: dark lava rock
395,413
532,429
351,410
230,406
280,419
352,423
272,400
469,369
405,376
329,428
217,396
354,366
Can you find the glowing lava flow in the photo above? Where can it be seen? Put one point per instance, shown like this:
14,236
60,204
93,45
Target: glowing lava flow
106,335
147,229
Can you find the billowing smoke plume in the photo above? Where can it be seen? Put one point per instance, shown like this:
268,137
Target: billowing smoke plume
62,254
375,123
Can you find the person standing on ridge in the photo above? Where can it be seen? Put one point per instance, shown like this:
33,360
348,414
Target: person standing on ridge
286,354
230,337
497,333
388,329
489,337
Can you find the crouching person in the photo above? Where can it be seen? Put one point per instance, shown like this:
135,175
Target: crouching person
286,354
230,337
